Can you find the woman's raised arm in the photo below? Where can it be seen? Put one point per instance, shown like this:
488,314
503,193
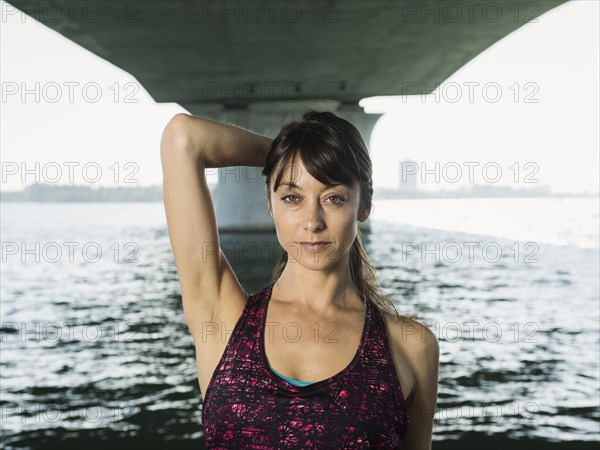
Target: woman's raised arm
219,144
189,145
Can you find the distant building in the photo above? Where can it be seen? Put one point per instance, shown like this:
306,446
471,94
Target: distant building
407,180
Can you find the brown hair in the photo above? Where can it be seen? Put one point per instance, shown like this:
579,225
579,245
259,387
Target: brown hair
333,151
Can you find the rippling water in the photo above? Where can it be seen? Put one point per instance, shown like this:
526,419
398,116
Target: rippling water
96,353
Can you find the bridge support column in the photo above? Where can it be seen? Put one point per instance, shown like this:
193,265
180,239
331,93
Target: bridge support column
239,195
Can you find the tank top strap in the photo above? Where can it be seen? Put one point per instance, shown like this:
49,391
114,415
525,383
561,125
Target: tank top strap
240,354
379,355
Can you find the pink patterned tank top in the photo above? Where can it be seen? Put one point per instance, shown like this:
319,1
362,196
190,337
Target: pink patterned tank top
247,406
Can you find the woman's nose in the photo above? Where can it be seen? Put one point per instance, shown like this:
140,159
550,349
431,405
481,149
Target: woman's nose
314,219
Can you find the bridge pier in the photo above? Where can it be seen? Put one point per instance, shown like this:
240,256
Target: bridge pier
239,195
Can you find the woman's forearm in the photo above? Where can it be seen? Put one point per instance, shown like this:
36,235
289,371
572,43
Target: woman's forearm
218,144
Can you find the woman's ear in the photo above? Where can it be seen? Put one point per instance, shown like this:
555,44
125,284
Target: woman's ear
364,214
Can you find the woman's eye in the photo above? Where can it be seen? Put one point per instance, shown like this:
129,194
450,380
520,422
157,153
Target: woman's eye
335,199
340,199
286,197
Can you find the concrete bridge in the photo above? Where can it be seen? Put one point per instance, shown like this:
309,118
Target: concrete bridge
250,63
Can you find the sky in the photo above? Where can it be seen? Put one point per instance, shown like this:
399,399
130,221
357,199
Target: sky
523,114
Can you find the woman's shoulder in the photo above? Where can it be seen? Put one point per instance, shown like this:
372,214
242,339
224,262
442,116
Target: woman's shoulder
416,340
415,352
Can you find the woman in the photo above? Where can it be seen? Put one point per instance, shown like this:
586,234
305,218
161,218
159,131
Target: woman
319,358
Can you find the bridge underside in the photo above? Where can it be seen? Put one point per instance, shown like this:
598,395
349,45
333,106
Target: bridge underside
251,62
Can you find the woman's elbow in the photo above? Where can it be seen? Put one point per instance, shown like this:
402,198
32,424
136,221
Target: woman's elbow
176,132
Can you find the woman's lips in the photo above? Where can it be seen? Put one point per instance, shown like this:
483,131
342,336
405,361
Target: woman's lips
314,247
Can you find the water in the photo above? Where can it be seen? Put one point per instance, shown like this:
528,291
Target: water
558,221
95,350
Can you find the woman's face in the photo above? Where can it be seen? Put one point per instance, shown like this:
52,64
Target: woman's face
305,210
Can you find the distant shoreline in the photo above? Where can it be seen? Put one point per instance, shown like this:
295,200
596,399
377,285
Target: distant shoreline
44,193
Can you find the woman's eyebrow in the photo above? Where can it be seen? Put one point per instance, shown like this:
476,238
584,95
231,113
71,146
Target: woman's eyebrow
293,185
